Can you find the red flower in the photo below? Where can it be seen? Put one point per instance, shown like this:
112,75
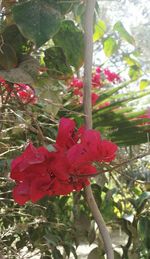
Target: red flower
21,192
60,166
111,76
78,92
108,151
98,70
96,77
25,93
31,163
94,98
40,187
60,187
38,172
76,83
65,136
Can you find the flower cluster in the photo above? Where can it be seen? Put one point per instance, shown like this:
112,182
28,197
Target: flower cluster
111,76
23,92
39,172
98,78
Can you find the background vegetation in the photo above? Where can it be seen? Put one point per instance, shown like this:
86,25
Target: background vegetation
41,46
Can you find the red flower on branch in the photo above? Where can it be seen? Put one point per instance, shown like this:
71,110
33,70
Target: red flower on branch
38,172
111,76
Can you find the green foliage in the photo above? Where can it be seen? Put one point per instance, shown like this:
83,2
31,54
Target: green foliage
8,58
144,83
70,39
99,30
110,46
39,46
37,20
124,33
55,61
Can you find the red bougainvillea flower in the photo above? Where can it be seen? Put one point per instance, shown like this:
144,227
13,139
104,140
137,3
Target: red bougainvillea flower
32,173
111,76
65,136
21,192
39,172
25,93
30,163
77,92
96,80
94,98
98,70
76,83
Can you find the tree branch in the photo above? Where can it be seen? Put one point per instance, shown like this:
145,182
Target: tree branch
88,41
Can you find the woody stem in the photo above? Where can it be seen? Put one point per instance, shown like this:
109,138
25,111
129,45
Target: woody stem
88,41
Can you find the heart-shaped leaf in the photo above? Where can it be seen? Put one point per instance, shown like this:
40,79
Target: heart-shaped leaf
70,39
110,46
8,58
17,75
37,20
56,63
12,36
99,30
124,33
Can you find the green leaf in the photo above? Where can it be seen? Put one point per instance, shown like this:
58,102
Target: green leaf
57,254
124,33
145,196
99,30
12,36
56,63
143,228
17,75
130,61
66,6
135,72
37,20
25,73
144,83
70,39
8,58
96,253
62,6
79,12
110,46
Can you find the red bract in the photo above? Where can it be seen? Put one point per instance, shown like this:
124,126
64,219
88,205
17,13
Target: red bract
98,70
65,133
21,192
94,98
38,172
111,76
96,80
76,83
25,93
30,163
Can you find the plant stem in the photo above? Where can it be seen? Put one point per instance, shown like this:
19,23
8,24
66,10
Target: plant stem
88,41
